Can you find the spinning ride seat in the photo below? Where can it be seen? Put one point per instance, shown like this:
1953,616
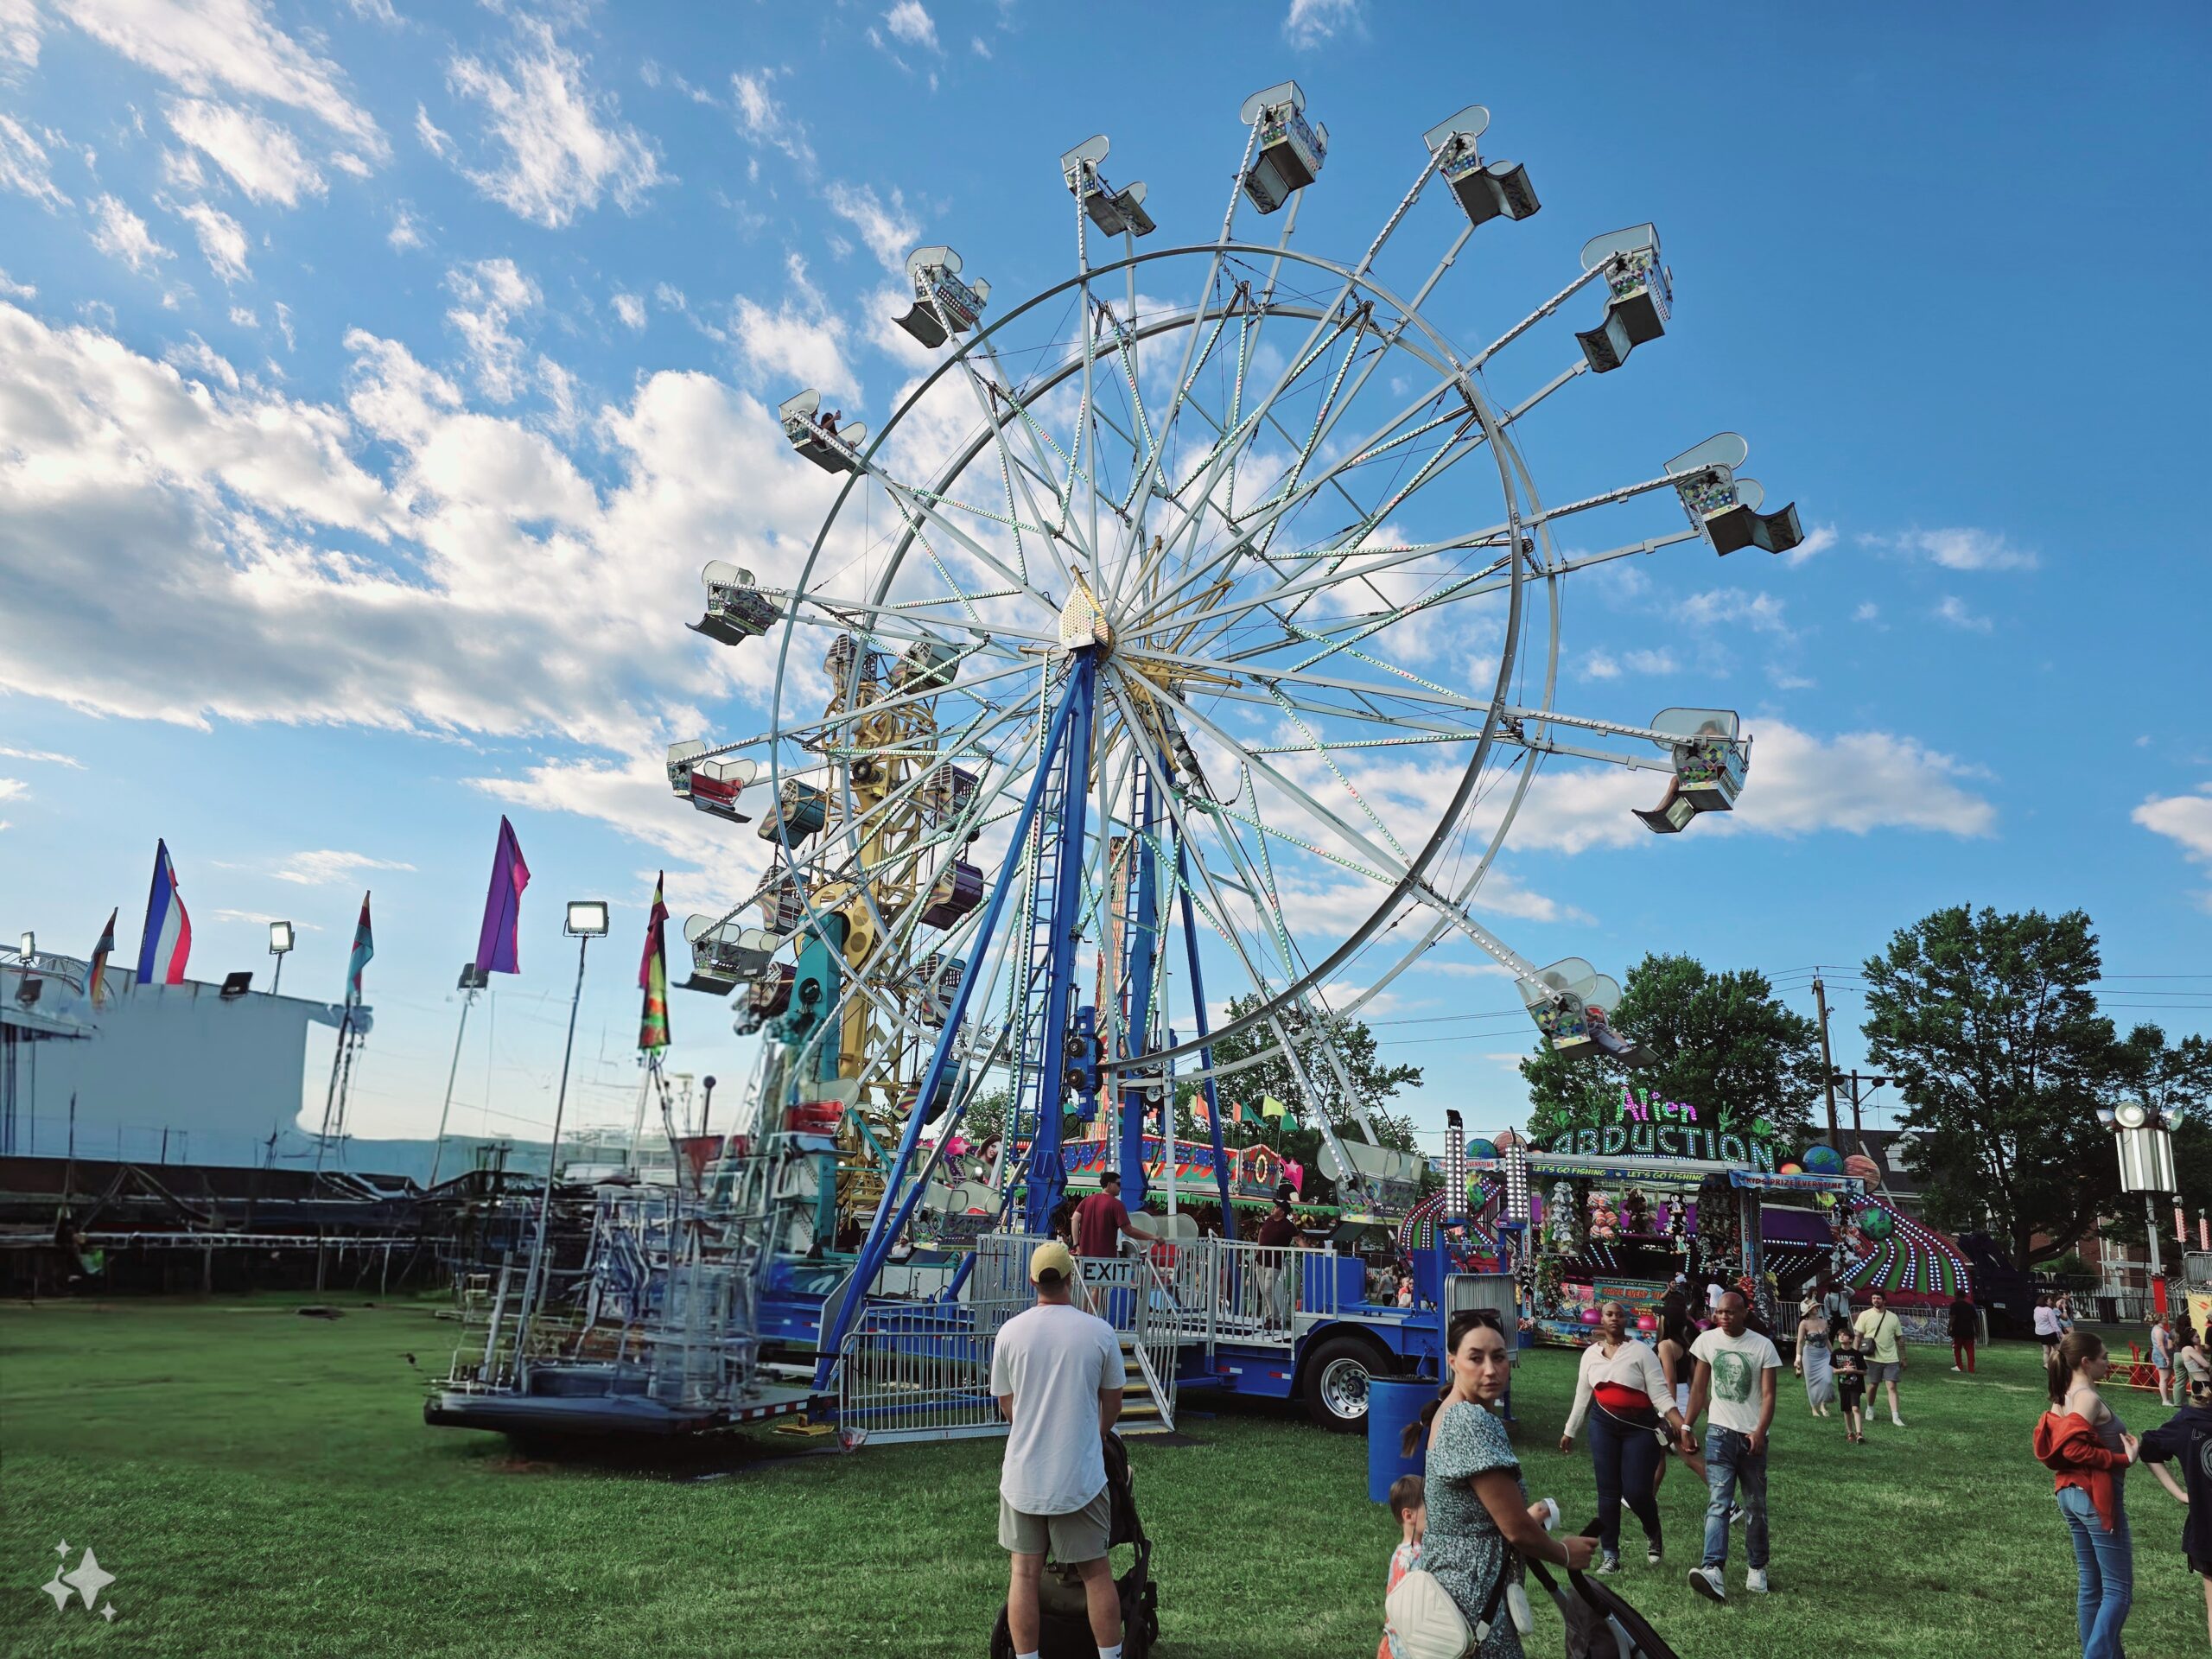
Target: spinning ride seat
1291,150
958,891
944,305
820,438
716,785
1711,762
736,609
947,794
681,757
937,982
1567,1001
724,953
1638,291
1726,508
1484,189
925,665
1114,212
800,810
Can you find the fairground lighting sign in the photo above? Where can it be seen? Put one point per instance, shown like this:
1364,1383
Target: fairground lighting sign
1647,1127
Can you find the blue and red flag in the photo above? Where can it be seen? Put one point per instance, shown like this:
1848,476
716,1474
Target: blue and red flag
101,952
495,944
364,946
166,944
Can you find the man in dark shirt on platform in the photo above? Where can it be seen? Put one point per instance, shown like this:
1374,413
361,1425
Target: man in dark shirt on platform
1100,1221
1272,1267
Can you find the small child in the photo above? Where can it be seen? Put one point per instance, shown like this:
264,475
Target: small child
1410,1508
1849,1365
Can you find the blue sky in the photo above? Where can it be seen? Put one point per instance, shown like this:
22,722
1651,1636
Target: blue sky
378,376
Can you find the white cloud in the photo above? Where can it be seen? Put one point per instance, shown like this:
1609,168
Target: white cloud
19,33
123,235
1312,24
23,166
1732,608
909,21
284,325
765,121
631,310
263,159
204,45
2185,820
633,795
1818,540
259,917
222,240
180,169
1600,665
406,232
44,756
12,290
434,137
243,317
1958,548
490,294
1868,611
1954,612
800,342
975,45
13,789
890,232
1605,665
566,145
321,869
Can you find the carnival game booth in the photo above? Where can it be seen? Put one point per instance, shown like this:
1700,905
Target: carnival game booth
1619,1226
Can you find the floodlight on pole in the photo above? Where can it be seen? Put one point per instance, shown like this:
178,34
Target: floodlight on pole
585,920
280,946
2143,1136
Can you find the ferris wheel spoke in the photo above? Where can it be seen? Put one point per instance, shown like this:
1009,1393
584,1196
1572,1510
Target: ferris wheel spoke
915,507
848,616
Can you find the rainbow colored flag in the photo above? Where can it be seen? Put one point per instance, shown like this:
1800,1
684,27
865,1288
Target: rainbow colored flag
165,943
652,976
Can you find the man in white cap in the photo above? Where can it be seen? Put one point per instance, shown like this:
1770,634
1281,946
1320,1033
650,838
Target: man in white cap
1057,1373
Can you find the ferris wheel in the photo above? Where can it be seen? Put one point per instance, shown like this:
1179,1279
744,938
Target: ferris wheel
1192,627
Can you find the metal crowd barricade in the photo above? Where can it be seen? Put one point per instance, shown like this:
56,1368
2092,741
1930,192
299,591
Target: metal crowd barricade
921,1372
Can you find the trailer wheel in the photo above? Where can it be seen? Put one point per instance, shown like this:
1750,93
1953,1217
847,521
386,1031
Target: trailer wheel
1336,1382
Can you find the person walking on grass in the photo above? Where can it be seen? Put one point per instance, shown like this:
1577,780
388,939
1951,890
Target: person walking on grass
1812,1361
1965,1326
1479,1515
1850,1367
1058,1374
1623,1388
2087,1450
2046,1322
2186,1438
1881,1338
2162,1360
1736,1368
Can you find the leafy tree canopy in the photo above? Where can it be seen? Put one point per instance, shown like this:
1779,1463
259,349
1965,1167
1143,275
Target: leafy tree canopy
1725,1043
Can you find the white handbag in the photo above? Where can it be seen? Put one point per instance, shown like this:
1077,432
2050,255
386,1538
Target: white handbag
1425,1621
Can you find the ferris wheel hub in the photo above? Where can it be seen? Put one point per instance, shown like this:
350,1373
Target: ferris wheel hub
1083,622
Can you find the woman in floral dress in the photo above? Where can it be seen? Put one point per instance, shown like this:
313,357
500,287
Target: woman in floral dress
1478,1512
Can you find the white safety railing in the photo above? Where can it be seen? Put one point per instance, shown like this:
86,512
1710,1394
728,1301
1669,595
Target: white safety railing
921,1372
1157,1335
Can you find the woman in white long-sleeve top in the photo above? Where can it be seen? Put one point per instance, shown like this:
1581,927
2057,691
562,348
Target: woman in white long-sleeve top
1621,1388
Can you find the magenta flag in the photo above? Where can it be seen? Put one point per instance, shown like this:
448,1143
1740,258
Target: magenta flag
495,945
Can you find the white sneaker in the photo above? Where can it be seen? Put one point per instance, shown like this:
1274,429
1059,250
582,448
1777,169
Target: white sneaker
1707,1581
1755,1581
1895,1421
1609,1561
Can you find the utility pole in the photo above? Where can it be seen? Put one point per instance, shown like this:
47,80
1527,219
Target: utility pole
1827,1064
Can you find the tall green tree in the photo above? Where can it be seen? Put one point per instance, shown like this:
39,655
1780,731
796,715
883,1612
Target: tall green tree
1988,1024
1725,1043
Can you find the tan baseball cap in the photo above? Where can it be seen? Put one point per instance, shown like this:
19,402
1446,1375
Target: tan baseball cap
1051,1256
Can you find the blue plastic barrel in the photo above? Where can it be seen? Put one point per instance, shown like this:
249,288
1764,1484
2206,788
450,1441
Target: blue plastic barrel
1392,1402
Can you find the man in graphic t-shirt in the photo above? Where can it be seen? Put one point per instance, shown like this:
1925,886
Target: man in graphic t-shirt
1736,1369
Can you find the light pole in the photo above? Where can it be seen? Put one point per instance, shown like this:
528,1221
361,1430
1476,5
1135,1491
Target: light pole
473,979
280,946
586,920
2146,1141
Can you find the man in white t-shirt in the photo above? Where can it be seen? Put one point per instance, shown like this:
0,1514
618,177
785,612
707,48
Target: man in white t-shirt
1057,1373
1736,1369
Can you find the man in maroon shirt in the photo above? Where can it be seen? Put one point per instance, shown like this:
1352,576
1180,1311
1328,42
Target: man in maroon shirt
1100,1220
1275,1232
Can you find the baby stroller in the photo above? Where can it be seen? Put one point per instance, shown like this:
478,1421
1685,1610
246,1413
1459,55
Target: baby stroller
1065,1615
1599,1624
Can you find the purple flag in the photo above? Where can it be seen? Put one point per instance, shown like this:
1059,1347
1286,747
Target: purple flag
495,945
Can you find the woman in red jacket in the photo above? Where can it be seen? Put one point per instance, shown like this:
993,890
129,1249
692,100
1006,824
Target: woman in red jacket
2088,1448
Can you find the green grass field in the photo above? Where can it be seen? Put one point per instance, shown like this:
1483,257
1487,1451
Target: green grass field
262,1483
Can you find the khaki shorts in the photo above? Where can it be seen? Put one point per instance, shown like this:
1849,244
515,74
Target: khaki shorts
1077,1536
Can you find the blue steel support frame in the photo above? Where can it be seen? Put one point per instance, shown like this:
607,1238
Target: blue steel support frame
1144,957
1206,1053
1048,1175
893,1210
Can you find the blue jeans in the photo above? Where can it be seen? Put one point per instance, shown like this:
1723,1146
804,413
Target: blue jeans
2107,1562
1625,1458
1730,1467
